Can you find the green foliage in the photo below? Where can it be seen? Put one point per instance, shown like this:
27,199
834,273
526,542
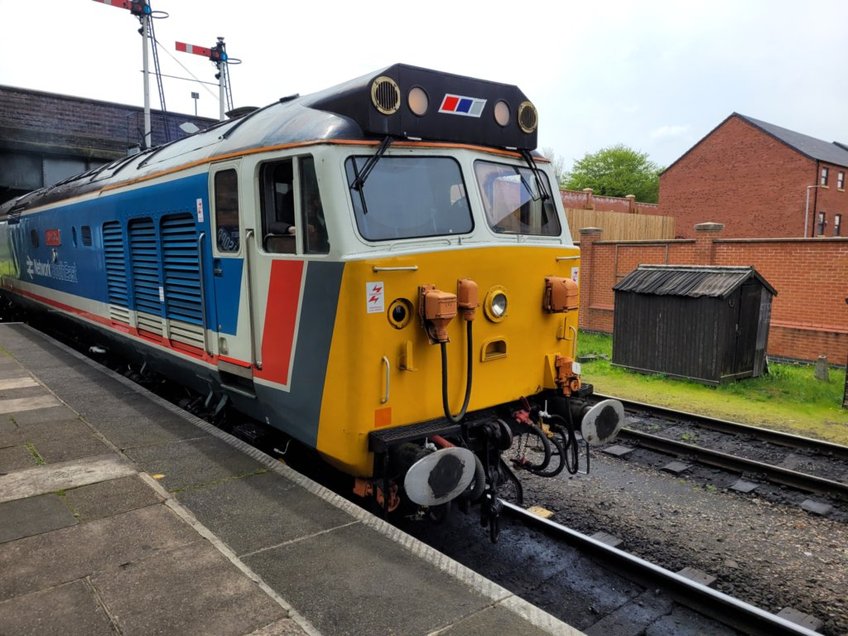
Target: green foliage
787,398
617,171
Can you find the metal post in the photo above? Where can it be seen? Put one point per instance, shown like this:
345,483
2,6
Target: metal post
145,32
222,90
195,97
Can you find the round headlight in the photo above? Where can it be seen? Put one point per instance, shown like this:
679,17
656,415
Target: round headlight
499,305
528,118
418,101
502,113
496,304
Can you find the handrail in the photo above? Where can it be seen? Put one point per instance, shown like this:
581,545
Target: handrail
202,290
257,363
387,364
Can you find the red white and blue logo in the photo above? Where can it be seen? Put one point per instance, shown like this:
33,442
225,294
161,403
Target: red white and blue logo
462,105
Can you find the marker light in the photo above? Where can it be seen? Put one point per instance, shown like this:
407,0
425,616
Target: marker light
528,118
385,95
418,101
502,113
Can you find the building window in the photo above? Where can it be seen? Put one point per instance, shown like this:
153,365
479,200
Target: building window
840,180
837,224
821,223
825,171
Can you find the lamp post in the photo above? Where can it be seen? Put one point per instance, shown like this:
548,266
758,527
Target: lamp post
807,207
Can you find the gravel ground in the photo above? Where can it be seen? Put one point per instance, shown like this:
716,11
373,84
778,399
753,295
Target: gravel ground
766,553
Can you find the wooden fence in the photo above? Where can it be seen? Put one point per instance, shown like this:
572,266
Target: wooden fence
621,226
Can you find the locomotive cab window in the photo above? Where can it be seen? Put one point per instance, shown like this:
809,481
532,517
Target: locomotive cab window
408,197
227,211
283,183
277,201
513,202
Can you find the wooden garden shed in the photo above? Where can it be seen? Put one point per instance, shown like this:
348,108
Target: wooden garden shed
704,323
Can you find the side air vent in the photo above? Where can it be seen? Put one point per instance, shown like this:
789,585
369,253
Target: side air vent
116,272
181,266
147,283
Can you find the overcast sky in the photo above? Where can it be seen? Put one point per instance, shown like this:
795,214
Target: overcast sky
654,75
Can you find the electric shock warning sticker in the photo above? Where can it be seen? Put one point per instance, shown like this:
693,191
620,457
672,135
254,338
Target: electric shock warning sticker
374,298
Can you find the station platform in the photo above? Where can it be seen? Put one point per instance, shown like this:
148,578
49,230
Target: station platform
121,513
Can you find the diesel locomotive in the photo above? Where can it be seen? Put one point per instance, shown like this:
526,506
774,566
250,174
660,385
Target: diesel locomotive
381,270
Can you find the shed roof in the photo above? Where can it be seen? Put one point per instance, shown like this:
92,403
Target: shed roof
688,280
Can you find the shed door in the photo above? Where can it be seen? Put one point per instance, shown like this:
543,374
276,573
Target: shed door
747,323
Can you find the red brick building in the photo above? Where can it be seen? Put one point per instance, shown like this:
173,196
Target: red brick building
759,180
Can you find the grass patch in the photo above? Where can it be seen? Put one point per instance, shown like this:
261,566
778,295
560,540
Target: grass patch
39,460
788,398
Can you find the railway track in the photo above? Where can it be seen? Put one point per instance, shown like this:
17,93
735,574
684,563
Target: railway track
790,460
715,605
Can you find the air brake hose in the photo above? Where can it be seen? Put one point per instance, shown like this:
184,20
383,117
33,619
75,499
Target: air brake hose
468,365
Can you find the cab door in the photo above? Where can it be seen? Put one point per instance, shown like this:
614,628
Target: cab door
236,354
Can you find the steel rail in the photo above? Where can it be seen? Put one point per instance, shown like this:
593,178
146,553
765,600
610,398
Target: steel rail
727,426
717,605
777,474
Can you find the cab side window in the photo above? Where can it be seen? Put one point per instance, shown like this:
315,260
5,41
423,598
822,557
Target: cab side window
277,201
315,236
227,211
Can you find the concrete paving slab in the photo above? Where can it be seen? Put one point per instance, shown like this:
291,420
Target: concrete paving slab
260,511
70,610
68,445
13,458
200,462
282,627
495,620
28,403
19,393
10,434
35,515
192,589
20,484
354,584
17,382
107,498
43,415
133,431
65,555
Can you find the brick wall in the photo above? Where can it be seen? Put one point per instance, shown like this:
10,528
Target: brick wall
755,185
36,121
586,199
809,315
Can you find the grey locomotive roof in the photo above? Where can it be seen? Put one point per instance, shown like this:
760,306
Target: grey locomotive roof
688,280
332,114
831,152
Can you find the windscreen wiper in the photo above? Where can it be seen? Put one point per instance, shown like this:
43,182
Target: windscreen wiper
369,165
540,183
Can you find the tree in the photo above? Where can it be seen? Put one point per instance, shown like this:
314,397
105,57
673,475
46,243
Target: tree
616,171
557,161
